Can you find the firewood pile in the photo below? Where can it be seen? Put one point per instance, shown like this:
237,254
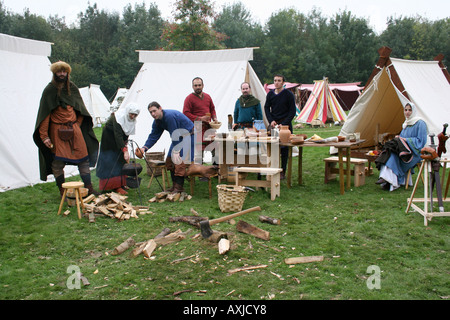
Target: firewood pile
171,197
113,205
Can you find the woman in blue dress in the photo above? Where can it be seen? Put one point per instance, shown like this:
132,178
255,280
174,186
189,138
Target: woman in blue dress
409,143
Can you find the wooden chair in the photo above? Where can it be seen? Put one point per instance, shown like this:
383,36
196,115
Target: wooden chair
76,185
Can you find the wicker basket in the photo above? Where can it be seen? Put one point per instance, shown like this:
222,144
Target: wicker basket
231,198
154,156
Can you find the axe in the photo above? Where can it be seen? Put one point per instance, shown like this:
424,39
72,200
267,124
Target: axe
205,225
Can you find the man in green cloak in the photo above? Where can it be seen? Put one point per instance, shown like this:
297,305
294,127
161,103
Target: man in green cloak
247,109
63,132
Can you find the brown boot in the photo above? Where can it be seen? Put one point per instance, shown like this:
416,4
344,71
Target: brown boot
177,188
91,190
59,181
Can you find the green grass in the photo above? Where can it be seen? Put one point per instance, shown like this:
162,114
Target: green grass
364,227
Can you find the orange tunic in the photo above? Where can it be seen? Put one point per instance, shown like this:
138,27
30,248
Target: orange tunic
74,150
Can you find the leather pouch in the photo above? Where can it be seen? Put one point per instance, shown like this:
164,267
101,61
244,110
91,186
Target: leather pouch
65,132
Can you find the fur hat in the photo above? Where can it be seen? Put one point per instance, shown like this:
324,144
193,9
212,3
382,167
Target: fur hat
60,66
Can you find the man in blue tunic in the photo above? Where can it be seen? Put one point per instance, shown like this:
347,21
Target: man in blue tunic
181,151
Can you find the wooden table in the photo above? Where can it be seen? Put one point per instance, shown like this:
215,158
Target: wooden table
229,156
343,151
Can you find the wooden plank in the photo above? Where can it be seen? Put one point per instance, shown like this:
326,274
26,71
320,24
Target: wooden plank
258,170
247,228
303,259
352,160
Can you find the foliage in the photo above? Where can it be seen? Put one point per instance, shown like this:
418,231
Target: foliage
102,45
192,27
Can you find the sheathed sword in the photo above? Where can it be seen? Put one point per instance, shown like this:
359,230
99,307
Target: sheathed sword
436,180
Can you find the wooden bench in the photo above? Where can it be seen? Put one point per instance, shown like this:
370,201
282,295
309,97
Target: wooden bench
359,166
272,181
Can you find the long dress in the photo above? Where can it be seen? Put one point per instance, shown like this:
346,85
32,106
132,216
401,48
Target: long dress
111,159
416,137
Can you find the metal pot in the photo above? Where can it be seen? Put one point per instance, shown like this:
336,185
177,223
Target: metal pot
131,169
133,182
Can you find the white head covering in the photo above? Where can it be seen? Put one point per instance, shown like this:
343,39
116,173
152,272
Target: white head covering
123,118
413,118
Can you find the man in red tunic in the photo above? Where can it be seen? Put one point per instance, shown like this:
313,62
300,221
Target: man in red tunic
198,106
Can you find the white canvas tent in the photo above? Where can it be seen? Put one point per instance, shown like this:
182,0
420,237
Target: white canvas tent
392,84
96,103
166,77
19,104
118,98
322,105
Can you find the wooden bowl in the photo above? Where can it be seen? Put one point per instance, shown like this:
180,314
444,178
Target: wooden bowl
341,138
215,125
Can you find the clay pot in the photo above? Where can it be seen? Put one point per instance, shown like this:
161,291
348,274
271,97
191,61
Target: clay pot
285,134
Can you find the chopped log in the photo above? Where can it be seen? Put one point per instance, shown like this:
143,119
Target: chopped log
259,266
91,217
163,233
192,220
89,198
303,259
118,214
182,196
66,212
123,246
101,200
194,212
84,280
170,196
172,237
152,200
149,247
161,195
269,220
224,246
137,251
216,236
247,228
176,197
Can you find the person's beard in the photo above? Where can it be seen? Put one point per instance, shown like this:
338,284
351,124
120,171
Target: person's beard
60,79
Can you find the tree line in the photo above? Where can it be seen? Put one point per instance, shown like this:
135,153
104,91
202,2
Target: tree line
102,46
